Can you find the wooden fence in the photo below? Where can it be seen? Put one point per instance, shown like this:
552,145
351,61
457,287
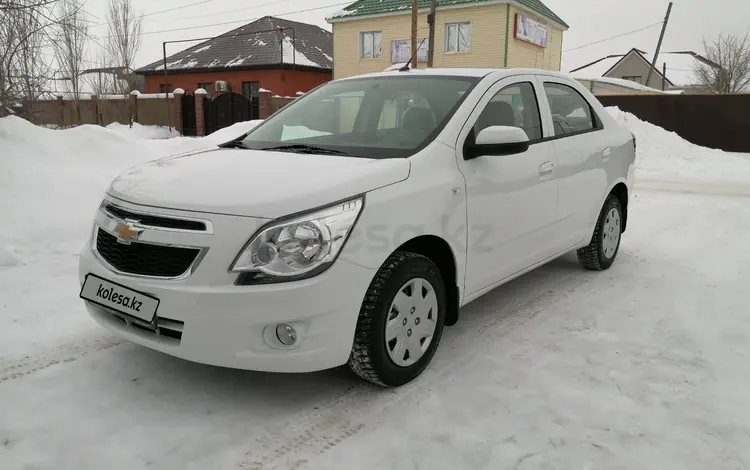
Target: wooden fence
152,109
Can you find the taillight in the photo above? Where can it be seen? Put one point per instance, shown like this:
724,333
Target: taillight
633,135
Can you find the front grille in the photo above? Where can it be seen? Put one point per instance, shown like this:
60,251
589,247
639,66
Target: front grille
156,221
144,259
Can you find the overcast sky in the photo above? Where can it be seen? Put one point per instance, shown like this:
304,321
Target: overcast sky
589,20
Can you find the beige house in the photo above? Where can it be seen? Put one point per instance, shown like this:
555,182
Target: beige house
372,35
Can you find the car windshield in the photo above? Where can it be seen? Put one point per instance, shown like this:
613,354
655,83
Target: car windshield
378,117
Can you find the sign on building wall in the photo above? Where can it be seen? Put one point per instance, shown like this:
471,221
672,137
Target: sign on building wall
531,31
401,50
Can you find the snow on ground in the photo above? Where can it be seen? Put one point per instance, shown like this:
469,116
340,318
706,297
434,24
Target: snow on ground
641,366
141,132
50,186
665,155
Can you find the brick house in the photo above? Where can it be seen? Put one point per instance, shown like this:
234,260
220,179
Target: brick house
283,56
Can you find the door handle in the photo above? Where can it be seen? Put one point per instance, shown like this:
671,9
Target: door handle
606,153
546,168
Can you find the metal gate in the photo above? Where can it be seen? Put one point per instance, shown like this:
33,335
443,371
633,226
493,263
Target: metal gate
227,108
189,127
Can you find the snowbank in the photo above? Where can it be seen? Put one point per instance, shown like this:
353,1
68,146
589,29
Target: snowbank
664,155
53,180
142,132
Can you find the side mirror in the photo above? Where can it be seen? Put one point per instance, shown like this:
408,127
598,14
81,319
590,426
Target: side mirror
497,140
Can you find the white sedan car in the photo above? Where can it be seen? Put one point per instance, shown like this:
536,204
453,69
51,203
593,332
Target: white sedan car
351,226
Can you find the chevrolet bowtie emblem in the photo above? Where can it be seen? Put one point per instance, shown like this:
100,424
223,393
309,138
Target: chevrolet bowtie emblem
127,232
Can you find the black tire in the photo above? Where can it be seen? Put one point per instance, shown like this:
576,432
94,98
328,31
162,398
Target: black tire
592,257
369,358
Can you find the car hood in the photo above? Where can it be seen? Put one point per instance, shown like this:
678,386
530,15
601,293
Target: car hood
253,183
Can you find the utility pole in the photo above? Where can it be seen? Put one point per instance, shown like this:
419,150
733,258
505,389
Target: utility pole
431,42
664,77
658,45
414,11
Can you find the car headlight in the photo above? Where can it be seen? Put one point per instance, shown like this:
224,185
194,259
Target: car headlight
298,247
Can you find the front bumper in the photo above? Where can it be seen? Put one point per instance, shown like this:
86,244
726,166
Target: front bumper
204,317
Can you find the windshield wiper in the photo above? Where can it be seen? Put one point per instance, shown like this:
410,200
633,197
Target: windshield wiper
233,144
301,148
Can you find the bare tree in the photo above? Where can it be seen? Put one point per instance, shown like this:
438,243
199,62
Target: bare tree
102,81
125,37
24,28
71,36
730,71
32,69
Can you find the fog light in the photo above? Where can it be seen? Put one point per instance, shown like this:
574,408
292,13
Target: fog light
286,334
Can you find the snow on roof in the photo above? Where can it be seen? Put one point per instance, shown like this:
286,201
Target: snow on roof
620,83
293,56
237,61
341,13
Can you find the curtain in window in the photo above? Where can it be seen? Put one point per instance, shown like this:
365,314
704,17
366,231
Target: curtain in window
450,37
377,44
464,37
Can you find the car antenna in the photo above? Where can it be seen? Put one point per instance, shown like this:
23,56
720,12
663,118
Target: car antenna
406,68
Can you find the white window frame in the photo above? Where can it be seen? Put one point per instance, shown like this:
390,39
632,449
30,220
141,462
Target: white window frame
362,35
457,25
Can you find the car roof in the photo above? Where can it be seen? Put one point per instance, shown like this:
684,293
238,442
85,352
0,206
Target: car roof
462,72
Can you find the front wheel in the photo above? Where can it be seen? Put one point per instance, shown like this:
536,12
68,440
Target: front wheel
605,242
400,322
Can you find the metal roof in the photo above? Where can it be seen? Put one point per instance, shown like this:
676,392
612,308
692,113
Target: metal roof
264,43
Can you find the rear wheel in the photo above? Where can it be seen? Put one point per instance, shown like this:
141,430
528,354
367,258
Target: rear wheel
400,322
605,242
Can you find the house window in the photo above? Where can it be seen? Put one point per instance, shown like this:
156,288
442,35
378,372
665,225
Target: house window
634,78
250,90
371,45
209,87
457,37
165,88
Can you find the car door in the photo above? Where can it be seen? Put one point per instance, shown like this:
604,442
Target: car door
582,152
511,199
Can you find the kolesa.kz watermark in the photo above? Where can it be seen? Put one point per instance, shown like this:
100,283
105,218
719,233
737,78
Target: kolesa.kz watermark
113,296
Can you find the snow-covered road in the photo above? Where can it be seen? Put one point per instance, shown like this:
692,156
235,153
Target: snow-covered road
642,366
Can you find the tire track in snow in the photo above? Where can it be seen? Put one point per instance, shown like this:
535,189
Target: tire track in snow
11,369
713,188
292,444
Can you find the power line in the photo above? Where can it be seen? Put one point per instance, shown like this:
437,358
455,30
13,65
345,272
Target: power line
246,20
106,23
614,37
218,13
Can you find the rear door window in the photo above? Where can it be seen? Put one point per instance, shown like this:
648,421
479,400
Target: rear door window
571,112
